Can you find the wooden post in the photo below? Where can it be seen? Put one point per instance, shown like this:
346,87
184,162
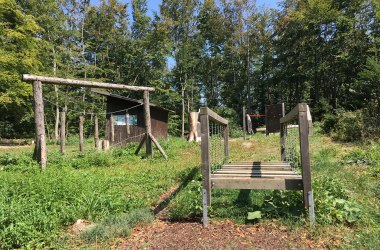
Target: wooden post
112,128
283,140
304,149
193,121
63,132
148,128
158,146
226,148
127,123
205,151
81,120
96,132
244,124
40,147
106,145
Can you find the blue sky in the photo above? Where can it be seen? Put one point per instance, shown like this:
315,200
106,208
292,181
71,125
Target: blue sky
153,4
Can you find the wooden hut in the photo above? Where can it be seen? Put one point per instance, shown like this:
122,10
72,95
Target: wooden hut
127,116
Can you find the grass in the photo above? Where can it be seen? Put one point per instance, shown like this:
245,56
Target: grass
36,207
116,190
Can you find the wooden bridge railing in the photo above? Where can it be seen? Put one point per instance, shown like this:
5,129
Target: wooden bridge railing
301,115
207,116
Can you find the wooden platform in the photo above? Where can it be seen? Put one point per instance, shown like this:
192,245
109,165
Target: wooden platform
256,175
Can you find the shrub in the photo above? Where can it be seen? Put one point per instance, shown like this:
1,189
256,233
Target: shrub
345,126
117,225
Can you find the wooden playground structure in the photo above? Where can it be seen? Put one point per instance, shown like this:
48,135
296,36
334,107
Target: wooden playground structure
219,173
40,150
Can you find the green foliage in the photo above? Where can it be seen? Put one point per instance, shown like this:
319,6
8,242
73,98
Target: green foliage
332,203
117,225
344,126
189,203
36,207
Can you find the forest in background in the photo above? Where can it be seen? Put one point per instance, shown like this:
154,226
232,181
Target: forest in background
221,53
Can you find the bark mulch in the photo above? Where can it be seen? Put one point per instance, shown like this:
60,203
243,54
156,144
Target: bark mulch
163,234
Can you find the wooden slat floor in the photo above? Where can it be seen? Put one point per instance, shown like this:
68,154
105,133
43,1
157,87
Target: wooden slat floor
256,175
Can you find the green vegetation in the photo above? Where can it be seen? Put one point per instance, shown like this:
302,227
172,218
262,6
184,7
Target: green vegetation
35,206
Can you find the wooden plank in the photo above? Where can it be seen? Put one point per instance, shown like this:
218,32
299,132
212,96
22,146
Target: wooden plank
310,121
212,115
249,171
148,128
81,146
40,146
205,154
259,168
305,154
63,132
294,113
258,183
158,146
64,81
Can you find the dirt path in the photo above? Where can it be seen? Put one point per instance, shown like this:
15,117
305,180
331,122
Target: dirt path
164,234
218,235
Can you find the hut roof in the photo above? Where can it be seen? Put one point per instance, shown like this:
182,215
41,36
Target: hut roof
105,93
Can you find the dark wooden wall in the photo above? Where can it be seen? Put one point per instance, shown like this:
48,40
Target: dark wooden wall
159,119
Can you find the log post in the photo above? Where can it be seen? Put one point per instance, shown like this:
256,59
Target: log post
96,132
244,124
81,120
193,121
63,132
148,128
112,128
127,123
40,147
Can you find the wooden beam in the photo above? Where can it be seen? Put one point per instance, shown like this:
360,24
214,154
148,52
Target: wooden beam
257,183
140,144
158,146
63,132
213,116
40,146
301,107
82,83
148,128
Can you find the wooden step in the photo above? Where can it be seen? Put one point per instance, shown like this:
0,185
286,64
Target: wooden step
244,171
258,167
257,183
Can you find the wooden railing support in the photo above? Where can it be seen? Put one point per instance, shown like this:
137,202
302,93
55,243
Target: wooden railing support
301,113
206,115
205,154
